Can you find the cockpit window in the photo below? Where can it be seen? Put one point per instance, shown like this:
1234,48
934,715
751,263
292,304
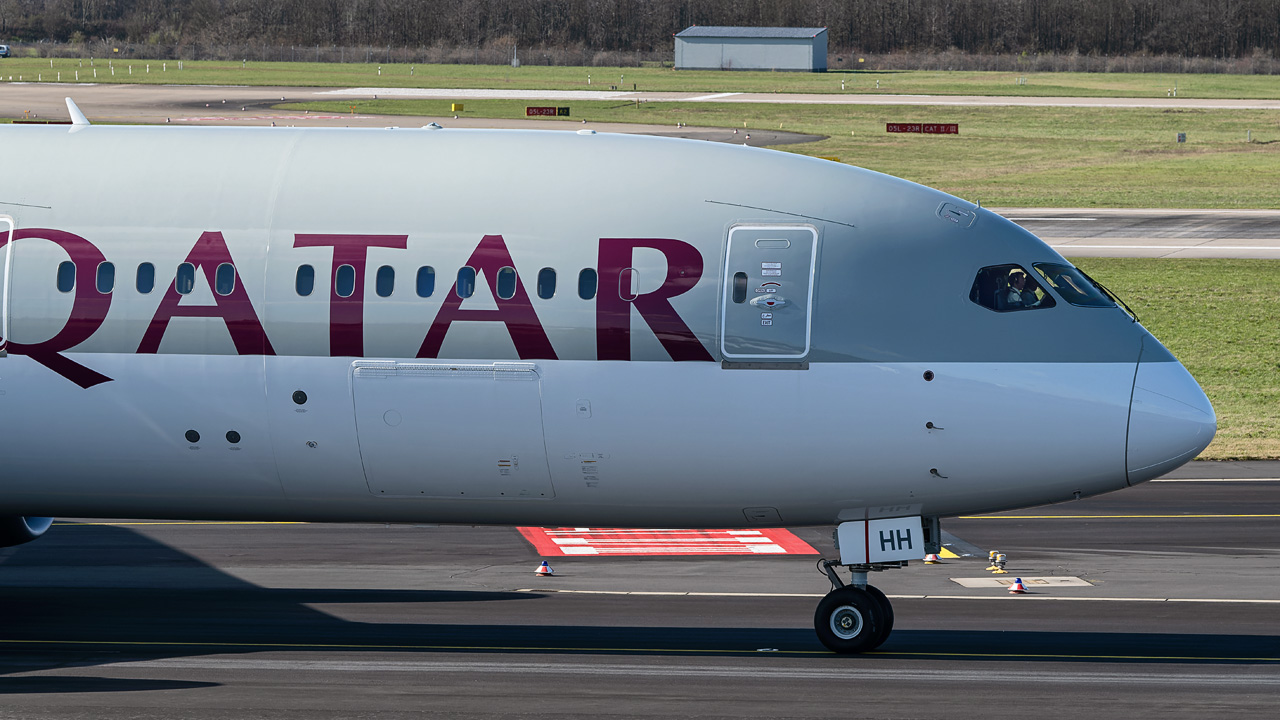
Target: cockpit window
1005,288
1074,286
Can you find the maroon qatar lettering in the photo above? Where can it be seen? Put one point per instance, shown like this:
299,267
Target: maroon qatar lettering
346,314
516,312
613,312
235,309
88,310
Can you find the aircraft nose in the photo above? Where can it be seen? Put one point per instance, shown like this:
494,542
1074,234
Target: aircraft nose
1170,420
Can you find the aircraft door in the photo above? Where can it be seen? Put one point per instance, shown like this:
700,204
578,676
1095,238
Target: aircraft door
462,431
768,292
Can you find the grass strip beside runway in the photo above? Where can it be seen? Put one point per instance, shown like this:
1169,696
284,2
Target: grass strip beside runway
652,78
1003,156
1221,318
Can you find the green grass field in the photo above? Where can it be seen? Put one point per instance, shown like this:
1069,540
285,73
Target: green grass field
1221,318
303,74
1003,156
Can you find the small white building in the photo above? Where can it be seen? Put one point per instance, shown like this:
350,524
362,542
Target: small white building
752,48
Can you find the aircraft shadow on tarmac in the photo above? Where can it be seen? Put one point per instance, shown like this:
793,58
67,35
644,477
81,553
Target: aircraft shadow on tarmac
76,618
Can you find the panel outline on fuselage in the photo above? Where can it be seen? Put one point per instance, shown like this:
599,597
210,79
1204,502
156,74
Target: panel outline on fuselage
5,304
497,371
726,288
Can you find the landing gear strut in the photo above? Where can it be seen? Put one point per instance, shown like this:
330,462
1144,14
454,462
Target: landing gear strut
856,617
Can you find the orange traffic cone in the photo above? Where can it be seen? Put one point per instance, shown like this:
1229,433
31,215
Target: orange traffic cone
1017,588
932,559
544,569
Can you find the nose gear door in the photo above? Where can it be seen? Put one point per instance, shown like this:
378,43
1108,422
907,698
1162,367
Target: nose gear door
768,292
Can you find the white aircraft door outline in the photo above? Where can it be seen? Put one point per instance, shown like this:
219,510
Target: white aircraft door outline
767,308
8,282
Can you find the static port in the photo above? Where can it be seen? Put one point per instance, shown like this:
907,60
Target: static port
299,397
193,436
233,437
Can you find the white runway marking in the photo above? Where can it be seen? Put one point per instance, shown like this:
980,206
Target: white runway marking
717,96
1215,480
476,94
751,671
1051,219
1070,245
1002,597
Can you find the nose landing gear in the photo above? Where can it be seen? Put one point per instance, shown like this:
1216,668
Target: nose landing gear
857,617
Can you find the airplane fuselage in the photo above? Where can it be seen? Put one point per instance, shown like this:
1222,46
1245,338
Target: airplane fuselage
540,328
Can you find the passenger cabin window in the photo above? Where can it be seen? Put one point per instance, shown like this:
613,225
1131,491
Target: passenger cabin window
506,283
1006,288
185,282
106,280
385,282
345,282
466,282
1073,285
146,281
546,283
587,283
305,281
426,281
224,280
66,276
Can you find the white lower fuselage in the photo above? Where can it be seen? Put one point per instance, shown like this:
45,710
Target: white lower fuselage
557,442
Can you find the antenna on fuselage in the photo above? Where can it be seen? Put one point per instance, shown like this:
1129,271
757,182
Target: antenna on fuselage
77,117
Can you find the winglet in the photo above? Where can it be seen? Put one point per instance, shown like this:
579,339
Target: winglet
77,117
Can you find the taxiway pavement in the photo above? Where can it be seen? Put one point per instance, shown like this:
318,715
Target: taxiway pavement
144,619
1161,233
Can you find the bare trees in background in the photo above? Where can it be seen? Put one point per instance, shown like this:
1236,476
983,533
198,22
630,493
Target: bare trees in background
1222,29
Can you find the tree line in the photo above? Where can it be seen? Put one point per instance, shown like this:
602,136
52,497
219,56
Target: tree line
1186,28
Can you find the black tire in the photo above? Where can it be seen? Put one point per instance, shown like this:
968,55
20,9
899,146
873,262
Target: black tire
848,620
886,616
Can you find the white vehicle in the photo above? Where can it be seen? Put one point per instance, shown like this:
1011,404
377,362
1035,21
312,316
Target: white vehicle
425,325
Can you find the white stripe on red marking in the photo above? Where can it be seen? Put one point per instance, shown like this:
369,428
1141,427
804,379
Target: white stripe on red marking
559,542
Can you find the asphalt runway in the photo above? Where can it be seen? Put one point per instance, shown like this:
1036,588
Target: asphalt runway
1154,233
140,620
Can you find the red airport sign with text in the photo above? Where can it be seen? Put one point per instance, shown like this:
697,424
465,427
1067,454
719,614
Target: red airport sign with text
926,128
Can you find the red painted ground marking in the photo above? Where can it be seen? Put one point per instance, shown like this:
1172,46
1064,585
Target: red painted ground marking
558,542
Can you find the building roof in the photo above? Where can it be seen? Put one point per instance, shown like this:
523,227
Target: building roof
720,31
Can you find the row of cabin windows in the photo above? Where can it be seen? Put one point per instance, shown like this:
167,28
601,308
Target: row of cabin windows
224,278
344,280
384,282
